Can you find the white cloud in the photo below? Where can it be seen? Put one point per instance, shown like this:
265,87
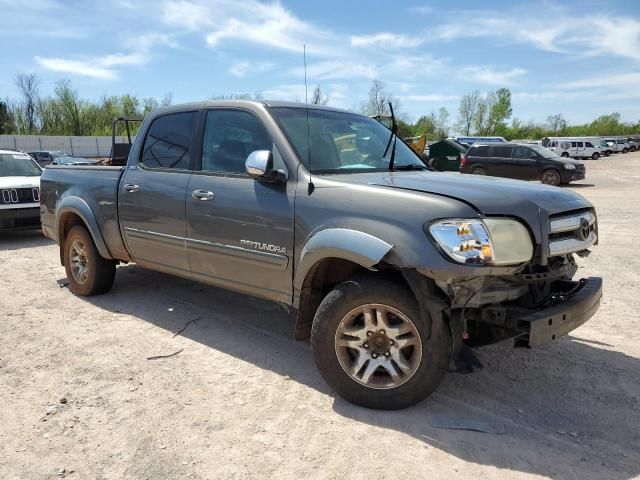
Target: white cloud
490,76
89,68
242,67
104,67
558,30
184,14
337,69
265,24
386,40
606,81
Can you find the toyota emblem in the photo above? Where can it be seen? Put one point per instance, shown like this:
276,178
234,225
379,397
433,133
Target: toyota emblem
584,230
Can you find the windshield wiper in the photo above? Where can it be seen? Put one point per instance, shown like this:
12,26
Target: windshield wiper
394,136
411,166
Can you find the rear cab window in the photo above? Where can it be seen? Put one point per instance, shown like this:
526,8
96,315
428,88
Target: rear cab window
168,143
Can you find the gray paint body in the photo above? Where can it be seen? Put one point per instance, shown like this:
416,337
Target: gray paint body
366,218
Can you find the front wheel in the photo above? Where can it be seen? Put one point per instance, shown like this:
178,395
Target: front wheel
88,273
565,155
625,150
374,348
595,156
550,177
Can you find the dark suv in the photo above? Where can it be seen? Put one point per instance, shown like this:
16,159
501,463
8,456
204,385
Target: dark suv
523,162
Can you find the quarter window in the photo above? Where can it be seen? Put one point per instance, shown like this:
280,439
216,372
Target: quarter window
168,142
229,137
479,151
588,144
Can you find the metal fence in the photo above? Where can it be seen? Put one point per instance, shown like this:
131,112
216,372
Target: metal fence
75,146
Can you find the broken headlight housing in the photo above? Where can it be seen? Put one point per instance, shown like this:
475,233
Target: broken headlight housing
489,241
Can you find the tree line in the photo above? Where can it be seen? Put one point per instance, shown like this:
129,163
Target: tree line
65,112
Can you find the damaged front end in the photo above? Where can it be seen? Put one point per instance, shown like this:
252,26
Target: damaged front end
535,306
533,303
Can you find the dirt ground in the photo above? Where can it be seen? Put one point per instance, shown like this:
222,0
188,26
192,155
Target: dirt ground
80,399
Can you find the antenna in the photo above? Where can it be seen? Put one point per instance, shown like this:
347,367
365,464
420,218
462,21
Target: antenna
306,101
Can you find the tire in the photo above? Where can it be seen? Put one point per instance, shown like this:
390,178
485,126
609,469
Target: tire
478,171
625,150
435,163
550,177
423,368
565,155
87,272
595,156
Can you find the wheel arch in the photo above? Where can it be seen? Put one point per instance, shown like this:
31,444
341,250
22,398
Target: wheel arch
74,211
329,257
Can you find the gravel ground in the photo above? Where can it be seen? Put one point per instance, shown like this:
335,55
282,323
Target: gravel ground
79,398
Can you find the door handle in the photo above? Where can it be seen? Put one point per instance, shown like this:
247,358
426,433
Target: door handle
130,187
202,195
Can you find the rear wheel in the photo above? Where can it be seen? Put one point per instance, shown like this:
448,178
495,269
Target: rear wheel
565,155
478,171
625,150
436,163
550,177
88,273
373,347
595,156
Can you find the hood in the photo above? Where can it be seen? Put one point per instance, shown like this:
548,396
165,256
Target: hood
488,195
19,182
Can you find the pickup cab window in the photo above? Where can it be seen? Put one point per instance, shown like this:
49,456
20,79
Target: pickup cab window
168,142
229,137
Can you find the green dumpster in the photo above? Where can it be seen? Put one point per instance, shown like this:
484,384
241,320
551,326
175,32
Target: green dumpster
445,155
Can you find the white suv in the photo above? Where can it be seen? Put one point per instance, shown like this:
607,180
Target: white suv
19,190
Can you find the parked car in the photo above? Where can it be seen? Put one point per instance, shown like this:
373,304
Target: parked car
605,148
445,155
523,162
46,157
470,140
389,267
19,190
68,160
634,144
619,145
580,148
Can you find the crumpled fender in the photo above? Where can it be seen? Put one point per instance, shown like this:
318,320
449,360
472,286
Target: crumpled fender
352,245
78,206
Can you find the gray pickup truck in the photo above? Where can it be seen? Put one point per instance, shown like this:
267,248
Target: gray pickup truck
390,268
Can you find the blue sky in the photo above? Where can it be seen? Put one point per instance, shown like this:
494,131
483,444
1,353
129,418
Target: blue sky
579,58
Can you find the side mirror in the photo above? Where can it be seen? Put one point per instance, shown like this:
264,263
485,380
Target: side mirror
259,165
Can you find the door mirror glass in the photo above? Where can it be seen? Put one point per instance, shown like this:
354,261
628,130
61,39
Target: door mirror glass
259,165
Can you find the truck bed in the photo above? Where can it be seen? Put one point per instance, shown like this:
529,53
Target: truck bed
83,190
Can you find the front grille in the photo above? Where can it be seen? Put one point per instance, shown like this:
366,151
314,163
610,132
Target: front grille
19,195
573,232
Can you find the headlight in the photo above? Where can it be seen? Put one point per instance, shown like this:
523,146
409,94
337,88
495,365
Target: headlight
492,241
569,166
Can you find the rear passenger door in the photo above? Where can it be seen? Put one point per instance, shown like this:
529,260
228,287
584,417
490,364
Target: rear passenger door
151,199
239,230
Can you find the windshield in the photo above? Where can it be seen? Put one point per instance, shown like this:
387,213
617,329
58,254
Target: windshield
340,142
18,166
543,152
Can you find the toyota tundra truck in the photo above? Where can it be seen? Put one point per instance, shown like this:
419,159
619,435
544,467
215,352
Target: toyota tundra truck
390,269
